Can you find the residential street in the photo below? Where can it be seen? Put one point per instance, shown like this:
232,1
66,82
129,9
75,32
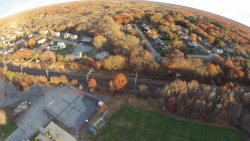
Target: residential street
154,53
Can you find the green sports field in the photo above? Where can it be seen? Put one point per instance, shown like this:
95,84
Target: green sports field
136,124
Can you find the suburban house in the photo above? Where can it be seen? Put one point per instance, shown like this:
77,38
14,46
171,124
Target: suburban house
57,34
70,36
53,132
66,35
86,39
146,27
192,44
102,55
217,50
73,37
61,45
42,41
77,55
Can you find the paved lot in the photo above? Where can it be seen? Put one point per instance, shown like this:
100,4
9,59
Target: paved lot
8,94
35,117
71,108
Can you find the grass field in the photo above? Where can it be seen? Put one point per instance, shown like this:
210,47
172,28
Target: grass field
135,124
10,127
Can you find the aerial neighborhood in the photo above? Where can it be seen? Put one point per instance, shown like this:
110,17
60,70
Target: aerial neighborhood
123,70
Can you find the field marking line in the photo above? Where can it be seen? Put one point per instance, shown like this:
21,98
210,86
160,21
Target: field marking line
116,124
162,128
140,126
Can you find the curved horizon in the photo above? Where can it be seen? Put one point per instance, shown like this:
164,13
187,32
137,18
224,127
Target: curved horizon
231,9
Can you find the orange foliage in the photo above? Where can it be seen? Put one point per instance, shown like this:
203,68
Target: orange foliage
229,63
223,88
211,40
193,37
213,70
32,42
120,82
124,18
172,66
92,84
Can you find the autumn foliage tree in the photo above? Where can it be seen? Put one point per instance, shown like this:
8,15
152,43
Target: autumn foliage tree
193,37
92,84
3,118
119,83
99,41
211,39
32,42
153,33
214,70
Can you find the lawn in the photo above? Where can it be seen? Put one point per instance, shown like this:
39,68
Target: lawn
68,50
196,51
9,127
136,124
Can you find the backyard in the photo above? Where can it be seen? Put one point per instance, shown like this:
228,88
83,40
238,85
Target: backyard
137,124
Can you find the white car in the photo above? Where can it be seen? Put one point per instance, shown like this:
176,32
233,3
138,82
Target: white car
54,48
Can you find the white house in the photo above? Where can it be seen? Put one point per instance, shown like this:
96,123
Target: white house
57,34
61,45
77,55
217,50
86,39
42,41
102,55
66,35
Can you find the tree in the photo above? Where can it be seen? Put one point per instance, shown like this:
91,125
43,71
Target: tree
120,82
221,44
92,84
32,42
213,70
114,62
3,118
211,39
99,41
153,33
193,37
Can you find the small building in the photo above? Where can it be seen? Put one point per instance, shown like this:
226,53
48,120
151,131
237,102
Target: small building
41,41
82,48
146,27
86,39
192,44
102,55
53,132
77,55
61,45
57,34
217,50
73,37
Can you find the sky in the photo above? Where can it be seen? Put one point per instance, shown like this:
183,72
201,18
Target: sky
238,10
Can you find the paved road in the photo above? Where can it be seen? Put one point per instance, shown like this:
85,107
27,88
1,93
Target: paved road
154,53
